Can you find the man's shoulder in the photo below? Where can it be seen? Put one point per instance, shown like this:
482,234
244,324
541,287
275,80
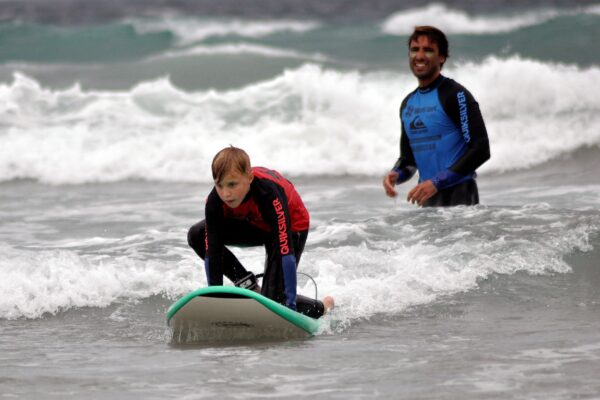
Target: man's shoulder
450,91
450,85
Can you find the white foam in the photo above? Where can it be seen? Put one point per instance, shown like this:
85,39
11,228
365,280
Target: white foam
388,276
593,9
190,30
383,265
306,121
241,49
453,21
534,111
35,283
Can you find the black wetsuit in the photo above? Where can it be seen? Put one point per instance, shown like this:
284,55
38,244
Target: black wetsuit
271,215
444,137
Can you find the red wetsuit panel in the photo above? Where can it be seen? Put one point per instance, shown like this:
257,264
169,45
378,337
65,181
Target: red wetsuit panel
249,210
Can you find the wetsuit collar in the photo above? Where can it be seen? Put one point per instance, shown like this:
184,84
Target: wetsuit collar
433,85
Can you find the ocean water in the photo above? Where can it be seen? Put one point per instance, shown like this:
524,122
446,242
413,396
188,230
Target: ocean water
110,115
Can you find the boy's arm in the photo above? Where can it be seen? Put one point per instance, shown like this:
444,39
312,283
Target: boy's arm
276,213
213,261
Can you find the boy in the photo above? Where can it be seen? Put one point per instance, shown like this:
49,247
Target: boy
253,207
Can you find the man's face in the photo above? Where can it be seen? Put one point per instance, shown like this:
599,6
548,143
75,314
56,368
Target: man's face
425,59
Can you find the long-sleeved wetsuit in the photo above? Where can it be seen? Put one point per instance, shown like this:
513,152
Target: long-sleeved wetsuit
444,137
272,214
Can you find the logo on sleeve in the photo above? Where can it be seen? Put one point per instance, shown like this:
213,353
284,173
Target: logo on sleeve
206,238
282,227
464,116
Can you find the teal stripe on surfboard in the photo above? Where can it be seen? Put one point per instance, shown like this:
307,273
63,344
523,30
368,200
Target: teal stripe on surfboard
308,324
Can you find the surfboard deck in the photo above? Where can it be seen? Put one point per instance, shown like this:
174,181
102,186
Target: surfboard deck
229,314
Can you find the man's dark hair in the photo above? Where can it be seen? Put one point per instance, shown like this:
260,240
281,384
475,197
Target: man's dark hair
434,34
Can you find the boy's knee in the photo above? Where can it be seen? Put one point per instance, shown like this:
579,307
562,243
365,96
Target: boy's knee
195,238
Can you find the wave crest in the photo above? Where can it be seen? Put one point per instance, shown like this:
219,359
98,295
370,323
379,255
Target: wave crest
306,121
454,21
190,30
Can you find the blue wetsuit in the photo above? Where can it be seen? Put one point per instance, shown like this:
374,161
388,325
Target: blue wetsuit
444,137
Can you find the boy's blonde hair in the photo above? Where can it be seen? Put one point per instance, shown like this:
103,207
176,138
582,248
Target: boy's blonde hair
228,160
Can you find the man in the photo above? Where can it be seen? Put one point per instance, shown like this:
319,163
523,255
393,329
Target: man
443,133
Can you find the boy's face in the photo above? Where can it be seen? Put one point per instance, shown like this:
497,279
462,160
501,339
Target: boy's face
233,188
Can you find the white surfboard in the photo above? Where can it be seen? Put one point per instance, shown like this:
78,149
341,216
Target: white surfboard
229,314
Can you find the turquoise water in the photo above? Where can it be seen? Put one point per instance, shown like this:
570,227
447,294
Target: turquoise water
181,46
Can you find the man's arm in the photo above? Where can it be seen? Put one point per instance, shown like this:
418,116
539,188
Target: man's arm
406,165
460,105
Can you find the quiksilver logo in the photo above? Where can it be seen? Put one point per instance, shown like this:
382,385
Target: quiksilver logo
417,124
282,227
464,116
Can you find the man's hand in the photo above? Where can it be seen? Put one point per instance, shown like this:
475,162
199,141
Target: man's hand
389,181
421,193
